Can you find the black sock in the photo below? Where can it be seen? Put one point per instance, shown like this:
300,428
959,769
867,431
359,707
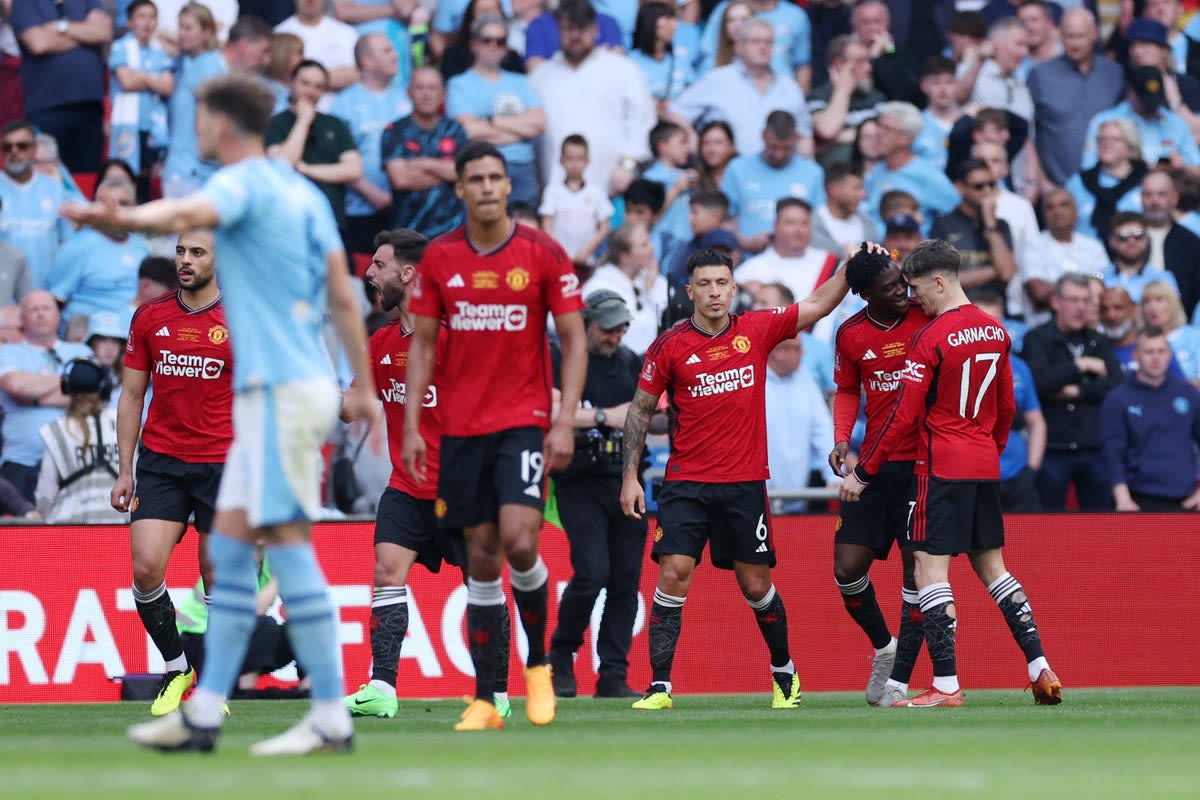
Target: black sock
389,624
1014,605
158,618
772,623
484,624
909,637
937,604
532,608
666,620
860,602
503,655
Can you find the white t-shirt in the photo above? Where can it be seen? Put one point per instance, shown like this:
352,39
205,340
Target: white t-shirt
798,273
1046,258
576,214
849,231
329,42
1022,224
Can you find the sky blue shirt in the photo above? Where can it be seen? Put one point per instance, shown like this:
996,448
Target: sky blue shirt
1161,135
1135,283
510,94
275,232
1085,201
21,422
94,273
932,143
624,12
667,77
183,154
1016,452
674,220
920,178
793,36
152,107
29,221
366,114
1185,344
448,15
753,187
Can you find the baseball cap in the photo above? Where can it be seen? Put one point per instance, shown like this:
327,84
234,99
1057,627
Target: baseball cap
107,324
719,238
1147,84
607,309
1142,29
903,222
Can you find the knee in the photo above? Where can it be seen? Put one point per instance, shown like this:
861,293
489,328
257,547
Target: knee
388,573
755,587
674,578
146,575
846,573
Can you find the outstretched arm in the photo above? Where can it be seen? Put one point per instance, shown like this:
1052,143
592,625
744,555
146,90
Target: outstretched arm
160,216
637,423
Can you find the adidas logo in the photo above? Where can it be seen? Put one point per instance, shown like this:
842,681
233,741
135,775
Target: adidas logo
162,331
386,360
867,356
534,491
456,282
693,359
762,548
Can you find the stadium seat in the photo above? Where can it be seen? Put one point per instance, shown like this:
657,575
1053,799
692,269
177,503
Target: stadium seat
86,181
362,261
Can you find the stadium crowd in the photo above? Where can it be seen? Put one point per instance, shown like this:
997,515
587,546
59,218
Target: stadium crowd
1052,142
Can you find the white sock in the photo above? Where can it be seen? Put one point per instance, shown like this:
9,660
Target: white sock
179,664
789,668
894,684
500,695
204,709
890,647
1036,666
946,684
331,717
384,687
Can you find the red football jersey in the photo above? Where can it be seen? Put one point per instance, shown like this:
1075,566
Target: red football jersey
717,384
957,388
190,364
388,350
497,364
869,359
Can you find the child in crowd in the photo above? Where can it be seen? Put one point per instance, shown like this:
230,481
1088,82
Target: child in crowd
574,213
673,169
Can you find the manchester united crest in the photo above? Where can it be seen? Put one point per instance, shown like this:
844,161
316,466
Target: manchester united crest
439,508
741,344
658,534
218,334
517,278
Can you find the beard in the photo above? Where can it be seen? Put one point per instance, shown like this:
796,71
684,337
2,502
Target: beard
18,170
198,283
1119,332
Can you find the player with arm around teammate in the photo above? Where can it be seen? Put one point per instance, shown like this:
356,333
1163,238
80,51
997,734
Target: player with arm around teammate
713,365
870,350
957,388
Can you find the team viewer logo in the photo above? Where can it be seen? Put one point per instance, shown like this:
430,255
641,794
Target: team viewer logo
741,344
218,334
517,279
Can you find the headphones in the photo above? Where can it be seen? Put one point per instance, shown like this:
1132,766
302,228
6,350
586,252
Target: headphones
87,376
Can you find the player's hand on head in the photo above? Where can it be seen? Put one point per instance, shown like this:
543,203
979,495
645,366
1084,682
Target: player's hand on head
870,247
633,498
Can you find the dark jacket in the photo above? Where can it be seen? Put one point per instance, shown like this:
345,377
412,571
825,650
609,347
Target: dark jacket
1072,424
1146,430
1181,256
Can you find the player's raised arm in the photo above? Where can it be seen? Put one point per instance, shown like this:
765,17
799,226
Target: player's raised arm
420,371
637,423
560,441
159,216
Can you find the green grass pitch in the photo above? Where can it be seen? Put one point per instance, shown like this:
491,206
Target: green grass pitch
1102,743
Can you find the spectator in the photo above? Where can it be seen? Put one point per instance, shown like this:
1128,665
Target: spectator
12,95
143,83
10,325
224,13
643,205
31,396
543,38
499,106
818,354
899,125
1073,369
327,41
1172,246
576,212
1165,136
850,98
1180,46
199,59
755,183
838,225
996,83
1114,182
943,110
1040,20
15,278
673,171
1058,249
829,19
799,426
632,273
789,259
47,162
745,92
30,201
707,213
791,52
62,73
892,64
285,54
729,21
667,73
717,148
459,56
1161,309
79,462
1148,47
1015,211
1023,452
867,152
107,334
418,155
1129,244
597,93
966,31
366,108
902,233
96,271
1119,322
1067,92
1146,421
982,239
156,277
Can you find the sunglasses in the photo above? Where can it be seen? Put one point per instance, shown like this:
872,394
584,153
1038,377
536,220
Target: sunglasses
1137,236
12,147
493,40
983,185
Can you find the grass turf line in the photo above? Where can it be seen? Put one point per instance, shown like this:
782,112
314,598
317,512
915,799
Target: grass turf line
1119,743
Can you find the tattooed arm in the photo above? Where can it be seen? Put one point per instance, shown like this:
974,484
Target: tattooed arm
637,422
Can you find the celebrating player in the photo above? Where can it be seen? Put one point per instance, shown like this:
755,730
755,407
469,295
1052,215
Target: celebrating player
713,364
179,344
280,257
869,357
957,389
406,529
494,281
